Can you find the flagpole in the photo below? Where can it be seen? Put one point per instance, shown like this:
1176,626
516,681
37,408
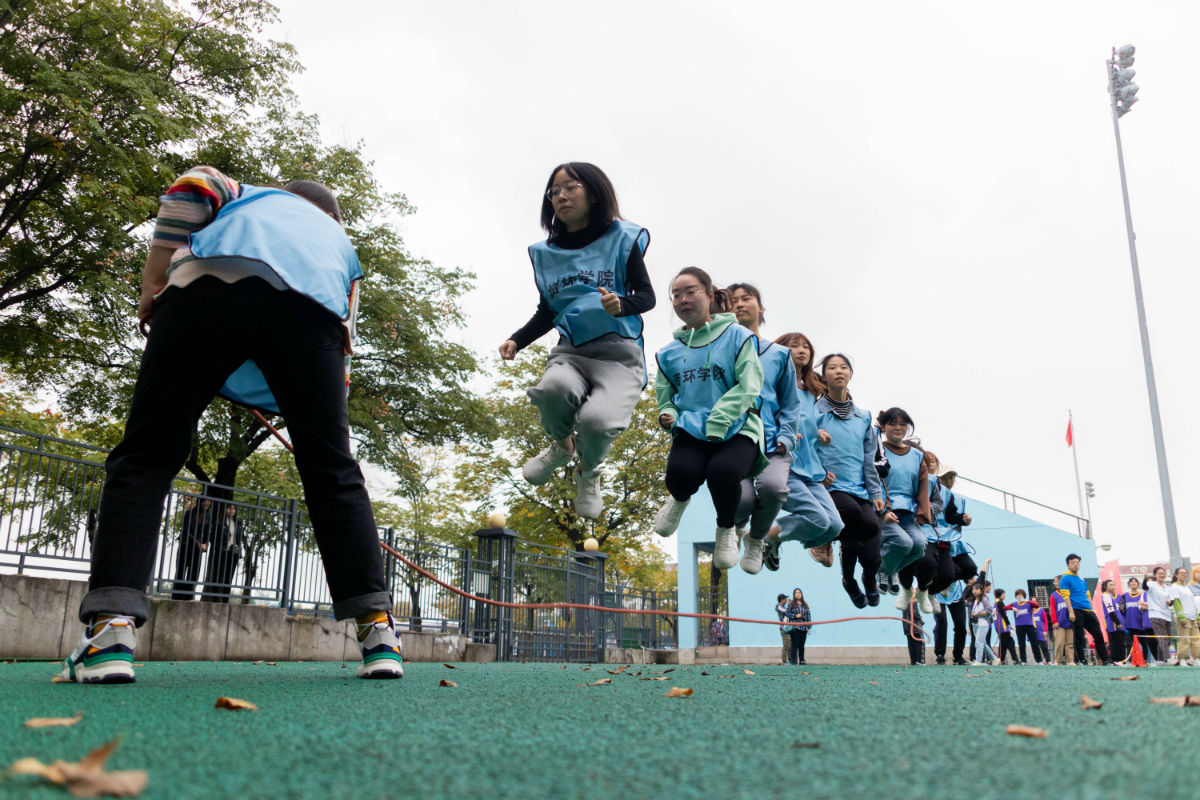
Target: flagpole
1078,485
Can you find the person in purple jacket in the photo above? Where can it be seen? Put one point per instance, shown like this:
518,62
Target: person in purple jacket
1040,625
1114,619
1003,630
1137,620
1024,612
1064,629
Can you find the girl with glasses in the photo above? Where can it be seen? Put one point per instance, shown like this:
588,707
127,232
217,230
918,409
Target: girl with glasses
593,288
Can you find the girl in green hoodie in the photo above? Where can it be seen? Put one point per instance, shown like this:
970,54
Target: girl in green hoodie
709,379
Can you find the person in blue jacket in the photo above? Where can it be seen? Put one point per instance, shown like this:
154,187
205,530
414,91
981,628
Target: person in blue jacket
906,489
847,451
593,289
779,409
249,291
809,515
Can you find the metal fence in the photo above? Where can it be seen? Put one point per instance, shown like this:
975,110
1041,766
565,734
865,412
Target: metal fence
543,574
657,632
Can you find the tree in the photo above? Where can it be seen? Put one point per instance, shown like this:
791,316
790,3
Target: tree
490,476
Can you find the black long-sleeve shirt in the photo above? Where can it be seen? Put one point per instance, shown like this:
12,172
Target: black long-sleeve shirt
638,299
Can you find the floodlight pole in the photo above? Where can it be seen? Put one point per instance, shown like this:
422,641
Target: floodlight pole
1164,478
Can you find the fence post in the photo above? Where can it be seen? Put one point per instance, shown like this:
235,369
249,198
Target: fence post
289,555
497,549
389,563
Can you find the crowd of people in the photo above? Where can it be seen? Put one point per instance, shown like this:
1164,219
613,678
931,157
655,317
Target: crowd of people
215,531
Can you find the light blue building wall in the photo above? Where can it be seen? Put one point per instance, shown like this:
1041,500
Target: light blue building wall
1021,549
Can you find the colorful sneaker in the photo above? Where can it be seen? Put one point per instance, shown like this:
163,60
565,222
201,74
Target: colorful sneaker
540,468
381,652
588,500
752,557
103,655
667,520
771,554
725,551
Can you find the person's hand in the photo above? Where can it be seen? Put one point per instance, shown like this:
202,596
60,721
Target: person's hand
146,306
966,519
1071,616
665,421
204,547
987,564
611,302
890,517
823,436
508,350
829,479
780,448
878,504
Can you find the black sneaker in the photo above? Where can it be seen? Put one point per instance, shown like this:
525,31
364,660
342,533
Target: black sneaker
856,595
872,599
959,662
771,554
941,662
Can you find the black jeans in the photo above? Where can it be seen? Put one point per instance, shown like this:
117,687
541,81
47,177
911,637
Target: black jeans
923,569
1085,620
1116,645
218,578
958,614
692,462
913,634
199,335
187,569
943,574
796,652
965,567
1007,646
861,538
1028,633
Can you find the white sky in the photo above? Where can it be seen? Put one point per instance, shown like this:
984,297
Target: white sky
931,188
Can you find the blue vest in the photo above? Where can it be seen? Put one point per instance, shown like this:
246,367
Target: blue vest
1023,615
777,368
845,456
701,375
570,281
1039,626
952,593
903,478
300,243
806,464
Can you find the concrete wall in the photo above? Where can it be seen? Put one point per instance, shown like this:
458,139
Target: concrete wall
38,619
1022,549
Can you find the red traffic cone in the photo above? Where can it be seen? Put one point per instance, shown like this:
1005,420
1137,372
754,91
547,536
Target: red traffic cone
1136,658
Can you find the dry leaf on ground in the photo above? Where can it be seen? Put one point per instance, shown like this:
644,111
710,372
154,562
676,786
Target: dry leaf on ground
703,673
1127,678
617,671
258,662
600,682
873,683
60,679
138,665
679,691
448,683
449,666
86,778
748,671
234,704
659,678
272,664
665,671
53,722
1186,700
1025,730
1089,702
805,745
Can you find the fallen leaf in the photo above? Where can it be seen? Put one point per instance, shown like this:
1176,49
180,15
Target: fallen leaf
724,676
451,684
60,679
449,666
805,745
659,678
1127,678
564,666
343,666
86,778
665,671
679,691
748,672
873,683
1025,730
54,722
587,669
600,682
806,673
988,671
234,704
258,662
1089,703
1186,700
703,673
139,665
617,671
272,664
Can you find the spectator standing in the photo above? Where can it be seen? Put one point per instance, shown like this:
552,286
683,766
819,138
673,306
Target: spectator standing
1083,618
1183,604
1157,601
781,612
1114,620
194,534
797,611
224,555
1024,619
1137,620
1064,631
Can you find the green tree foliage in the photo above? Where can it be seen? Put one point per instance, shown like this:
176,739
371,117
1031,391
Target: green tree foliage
489,476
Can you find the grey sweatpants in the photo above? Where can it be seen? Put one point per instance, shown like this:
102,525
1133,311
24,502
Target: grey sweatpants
764,494
590,392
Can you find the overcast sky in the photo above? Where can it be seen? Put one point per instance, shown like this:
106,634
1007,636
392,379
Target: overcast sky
931,188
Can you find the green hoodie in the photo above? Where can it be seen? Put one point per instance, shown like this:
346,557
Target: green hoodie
740,397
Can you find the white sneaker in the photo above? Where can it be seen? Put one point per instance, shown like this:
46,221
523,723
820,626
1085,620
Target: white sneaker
104,654
904,599
540,468
923,602
937,604
752,558
995,662
589,502
725,553
1174,662
667,520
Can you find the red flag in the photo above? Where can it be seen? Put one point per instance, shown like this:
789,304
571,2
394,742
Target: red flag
1070,438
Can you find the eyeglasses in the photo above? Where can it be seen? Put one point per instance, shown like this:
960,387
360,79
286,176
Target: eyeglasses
567,189
687,295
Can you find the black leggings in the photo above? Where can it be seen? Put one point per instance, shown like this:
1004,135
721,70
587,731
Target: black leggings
1028,633
797,636
923,569
861,538
1007,647
1086,620
722,464
945,568
964,567
1116,645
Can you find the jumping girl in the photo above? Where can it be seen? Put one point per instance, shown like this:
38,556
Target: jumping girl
709,380
950,523
809,515
779,409
937,548
907,489
593,287
847,452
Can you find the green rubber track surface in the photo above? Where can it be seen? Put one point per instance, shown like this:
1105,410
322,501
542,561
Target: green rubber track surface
532,730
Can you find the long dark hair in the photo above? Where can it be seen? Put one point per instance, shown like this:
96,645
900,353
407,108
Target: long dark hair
825,362
792,599
599,189
808,376
719,298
